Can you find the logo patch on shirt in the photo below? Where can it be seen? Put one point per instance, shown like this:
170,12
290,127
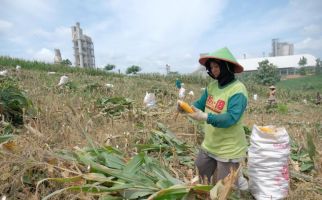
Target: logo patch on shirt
215,106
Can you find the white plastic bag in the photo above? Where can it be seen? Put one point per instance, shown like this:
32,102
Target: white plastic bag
191,93
109,85
149,100
4,73
63,80
182,93
255,97
268,162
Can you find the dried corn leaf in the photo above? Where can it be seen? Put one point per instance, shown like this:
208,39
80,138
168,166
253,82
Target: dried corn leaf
223,187
10,146
216,190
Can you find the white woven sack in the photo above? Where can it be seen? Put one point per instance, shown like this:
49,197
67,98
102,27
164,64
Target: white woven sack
268,163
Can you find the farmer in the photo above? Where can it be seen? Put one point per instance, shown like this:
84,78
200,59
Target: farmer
178,84
221,106
271,97
318,98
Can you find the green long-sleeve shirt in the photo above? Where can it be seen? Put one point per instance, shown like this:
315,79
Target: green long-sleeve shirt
224,133
235,109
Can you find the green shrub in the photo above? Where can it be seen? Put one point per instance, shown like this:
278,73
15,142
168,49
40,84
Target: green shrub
13,103
282,108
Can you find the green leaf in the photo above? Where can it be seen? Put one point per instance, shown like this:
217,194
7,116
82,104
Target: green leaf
135,163
110,149
174,192
162,174
62,180
307,166
294,157
131,178
164,184
136,193
304,156
110,197
112,160
67,155
4,138
204,188
310,146
26,179
319,190
89,188
93,188
97,177
178,191
152,147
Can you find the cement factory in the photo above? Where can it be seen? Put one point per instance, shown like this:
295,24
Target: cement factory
83,48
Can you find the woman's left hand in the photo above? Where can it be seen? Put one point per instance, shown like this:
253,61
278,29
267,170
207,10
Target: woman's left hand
198,114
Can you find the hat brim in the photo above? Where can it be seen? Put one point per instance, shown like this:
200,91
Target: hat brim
237,67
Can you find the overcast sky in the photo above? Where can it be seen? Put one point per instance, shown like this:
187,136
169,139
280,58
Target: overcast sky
153,33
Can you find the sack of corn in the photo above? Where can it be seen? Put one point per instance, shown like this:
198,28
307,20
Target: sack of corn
268,162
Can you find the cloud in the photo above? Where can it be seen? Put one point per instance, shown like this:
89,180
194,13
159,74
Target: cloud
149,33
43,54
59,38
152,34
57,34
37,10
252,35
312,29
309,44
5,26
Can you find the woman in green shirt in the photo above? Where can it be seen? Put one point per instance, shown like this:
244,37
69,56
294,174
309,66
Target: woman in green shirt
221,106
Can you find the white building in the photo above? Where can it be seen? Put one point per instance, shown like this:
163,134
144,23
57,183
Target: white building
83,48
286,64
57,58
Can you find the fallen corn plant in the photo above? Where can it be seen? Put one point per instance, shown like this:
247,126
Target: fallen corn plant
111,176
223,188
303,156
114,106
13,104
6,128
165,142
6,137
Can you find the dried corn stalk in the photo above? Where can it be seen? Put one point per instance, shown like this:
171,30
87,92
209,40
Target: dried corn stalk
223,187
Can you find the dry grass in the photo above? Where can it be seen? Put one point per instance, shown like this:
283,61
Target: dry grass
65,117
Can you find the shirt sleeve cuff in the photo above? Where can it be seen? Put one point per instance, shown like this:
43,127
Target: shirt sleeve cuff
210,118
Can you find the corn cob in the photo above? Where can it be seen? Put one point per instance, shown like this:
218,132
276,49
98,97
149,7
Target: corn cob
266,129
186,107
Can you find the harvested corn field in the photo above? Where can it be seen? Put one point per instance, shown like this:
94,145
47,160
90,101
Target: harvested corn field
88,141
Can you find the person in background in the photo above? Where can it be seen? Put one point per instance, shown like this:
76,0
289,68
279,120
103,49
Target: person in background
178,84
221,107
271,97
318,99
